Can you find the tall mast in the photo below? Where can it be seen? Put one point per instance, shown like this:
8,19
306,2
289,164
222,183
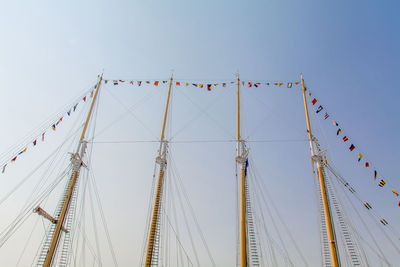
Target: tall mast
77,164
155,216
317,158
241,158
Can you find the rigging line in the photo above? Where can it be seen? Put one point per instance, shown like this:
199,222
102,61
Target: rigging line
34,170
23,216
176,236
94,224
262,185
194,215
199,141
28,240
184,215
102,216
358,197
121,116
382,257
132,114
203,111
286,253
173,206
42,126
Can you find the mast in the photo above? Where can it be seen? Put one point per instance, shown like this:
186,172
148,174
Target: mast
316,157
241,158
155,216
77,164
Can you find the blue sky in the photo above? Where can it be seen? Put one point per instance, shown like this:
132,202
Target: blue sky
347,51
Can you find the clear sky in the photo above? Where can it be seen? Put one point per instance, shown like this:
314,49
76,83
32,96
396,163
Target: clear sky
348,52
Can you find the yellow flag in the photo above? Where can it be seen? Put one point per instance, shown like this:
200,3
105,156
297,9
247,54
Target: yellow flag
394,192
280,84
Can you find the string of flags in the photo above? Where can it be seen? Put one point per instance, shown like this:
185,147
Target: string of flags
52,126
205,85
361,159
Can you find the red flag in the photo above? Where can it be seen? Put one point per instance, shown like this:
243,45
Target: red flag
131,82
14,159
345,138
249,84
178,83
366,164
156,83
34,143
43,136
84,99
314,101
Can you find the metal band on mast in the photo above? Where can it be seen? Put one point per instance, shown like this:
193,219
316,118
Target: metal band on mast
161,160
77,163
315,157
241,160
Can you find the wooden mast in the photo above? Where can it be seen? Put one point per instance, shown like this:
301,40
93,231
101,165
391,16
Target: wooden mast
241,159
155,216
317,159
77,163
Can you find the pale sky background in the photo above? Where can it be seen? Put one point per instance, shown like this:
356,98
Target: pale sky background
348,52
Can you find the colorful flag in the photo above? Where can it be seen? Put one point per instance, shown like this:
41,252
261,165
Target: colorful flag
267,84
382,183
115,82
91,93
187,84
131,82
242,83
22,151
325,161
314,101
105,81
201,85
338,131
345,139
122,81
53,127
43,136
84,98
319,109
156,83
4,168
249,84
394,192
74,108
14,159
178,84
257,84
375,174
209,87
366,164
359,157
194,84
69,112
280,84
352,147
335,123
34,142
326,115
289,85
296,83
223,84
164,81
148,82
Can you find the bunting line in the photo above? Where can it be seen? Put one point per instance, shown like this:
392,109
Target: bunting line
207,85
52,126
361,159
